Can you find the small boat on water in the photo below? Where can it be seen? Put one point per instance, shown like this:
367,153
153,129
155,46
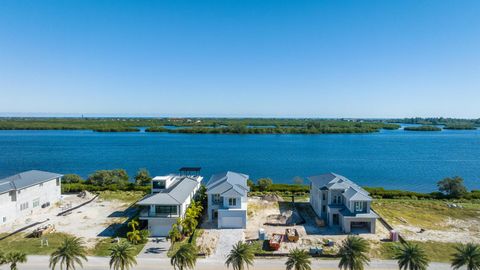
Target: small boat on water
275,241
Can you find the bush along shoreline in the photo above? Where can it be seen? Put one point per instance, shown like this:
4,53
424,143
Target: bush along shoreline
118,180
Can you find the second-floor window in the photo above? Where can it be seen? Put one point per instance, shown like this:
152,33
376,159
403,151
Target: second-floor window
23,206
232,201
159,184
324,197
216,198
358,206
337,199
166,210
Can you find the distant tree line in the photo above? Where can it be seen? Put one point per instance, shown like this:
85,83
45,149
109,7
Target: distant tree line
314,127
423,128
449,123
198,125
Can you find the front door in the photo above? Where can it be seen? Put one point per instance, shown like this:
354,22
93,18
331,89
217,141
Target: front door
215,213
335,219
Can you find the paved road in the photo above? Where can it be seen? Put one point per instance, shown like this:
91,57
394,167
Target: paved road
101,263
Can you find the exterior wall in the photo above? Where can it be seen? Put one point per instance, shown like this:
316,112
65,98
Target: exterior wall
46,192
8,209
333,193
237,205
224,214
160,226
319,205
347,228
316,201
211,206
351,206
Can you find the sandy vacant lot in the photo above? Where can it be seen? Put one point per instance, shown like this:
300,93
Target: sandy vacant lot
99,218
430,220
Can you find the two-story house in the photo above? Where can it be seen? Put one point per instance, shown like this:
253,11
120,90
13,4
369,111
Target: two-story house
24,193
171,195
227,199
341,202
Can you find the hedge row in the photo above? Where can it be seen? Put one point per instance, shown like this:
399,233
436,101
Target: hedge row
283,188
77,187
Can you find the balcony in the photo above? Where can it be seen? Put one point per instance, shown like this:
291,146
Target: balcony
146,213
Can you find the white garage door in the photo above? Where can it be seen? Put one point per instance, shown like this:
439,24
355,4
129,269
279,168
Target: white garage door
159,230
160,227
232,222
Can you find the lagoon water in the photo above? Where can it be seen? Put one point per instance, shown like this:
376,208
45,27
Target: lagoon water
392,159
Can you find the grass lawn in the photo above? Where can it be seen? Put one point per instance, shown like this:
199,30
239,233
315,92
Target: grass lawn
124,196
428,214
176,246
32,246
436,251
103,246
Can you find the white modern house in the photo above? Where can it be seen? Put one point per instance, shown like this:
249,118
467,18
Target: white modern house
227,199
24,193
171,195
342,203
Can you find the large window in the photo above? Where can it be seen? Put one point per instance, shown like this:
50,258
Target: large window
36,203
23,206
216,198
159,184
166,210
358,206
232,201
337,199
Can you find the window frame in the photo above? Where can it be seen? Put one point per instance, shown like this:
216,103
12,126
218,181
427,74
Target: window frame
358,206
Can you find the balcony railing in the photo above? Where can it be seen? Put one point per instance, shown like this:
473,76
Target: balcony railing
147,213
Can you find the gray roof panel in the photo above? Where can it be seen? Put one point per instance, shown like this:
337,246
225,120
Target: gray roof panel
26,179
333,181
235,180
177,194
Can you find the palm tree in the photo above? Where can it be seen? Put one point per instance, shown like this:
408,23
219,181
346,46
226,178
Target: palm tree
122,256
411,257
69,254
298,260
134,237
133,224
185,257
242,254
174,234
14,258
353,253
467,255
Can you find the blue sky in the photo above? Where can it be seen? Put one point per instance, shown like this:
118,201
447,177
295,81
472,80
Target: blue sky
241,58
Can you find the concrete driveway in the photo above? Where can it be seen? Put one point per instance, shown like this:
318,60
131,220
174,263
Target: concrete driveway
226,239
156,247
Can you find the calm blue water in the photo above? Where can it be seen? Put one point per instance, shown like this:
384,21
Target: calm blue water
393,159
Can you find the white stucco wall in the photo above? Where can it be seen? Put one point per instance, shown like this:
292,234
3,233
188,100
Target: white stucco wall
45,192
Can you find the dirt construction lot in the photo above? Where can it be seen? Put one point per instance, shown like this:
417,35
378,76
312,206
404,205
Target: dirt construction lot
311,235
100,218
